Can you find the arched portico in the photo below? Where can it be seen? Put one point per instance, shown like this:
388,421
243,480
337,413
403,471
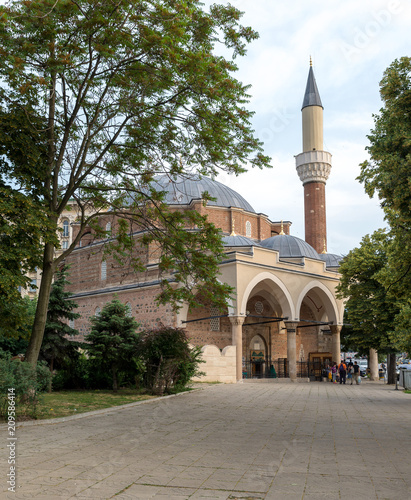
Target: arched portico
331,310
277,289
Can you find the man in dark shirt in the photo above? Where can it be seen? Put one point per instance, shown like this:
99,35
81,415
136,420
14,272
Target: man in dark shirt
342,370
356,372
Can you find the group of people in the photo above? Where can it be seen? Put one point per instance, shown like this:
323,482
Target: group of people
340,373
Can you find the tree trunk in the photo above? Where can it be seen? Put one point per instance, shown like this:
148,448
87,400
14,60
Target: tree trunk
40,318
391,368
115,383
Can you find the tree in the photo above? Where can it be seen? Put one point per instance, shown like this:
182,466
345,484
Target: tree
113,340
17,318
370,310
121,91
56,346
23,223
169,360
21,229
388,174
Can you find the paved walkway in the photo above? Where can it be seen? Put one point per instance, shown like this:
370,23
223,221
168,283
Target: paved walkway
244,441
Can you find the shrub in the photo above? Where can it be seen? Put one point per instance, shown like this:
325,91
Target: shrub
169,360
26,381
113,341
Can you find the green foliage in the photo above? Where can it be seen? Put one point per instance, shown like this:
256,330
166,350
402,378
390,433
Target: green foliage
13,346
83,373
23,227
27,382
56,347
109,95
169,361
17,317
388,174
113,341
369,308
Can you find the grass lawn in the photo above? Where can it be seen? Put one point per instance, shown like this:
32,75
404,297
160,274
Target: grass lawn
65,403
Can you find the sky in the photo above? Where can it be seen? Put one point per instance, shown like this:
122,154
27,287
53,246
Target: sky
351,43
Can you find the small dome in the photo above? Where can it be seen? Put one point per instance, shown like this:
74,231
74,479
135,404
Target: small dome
290,246
181,191
239,241
331,259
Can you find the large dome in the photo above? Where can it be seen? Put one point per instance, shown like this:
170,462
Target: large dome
181,191
290,246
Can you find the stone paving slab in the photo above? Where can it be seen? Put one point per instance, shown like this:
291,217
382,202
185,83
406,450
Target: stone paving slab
225,442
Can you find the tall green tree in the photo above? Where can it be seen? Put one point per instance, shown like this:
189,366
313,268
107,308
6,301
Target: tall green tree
113,340
57,346
122,90
23,222
370,310
388,174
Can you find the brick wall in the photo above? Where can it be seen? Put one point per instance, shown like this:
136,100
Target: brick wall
142,305
315,215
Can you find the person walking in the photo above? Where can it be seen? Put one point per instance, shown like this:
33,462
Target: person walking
334,373
350,371
356,373
342,370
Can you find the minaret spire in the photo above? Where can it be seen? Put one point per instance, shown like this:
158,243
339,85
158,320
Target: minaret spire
313,165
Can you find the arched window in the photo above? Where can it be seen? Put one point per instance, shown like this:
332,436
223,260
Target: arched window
108,228
248,229
66,228
215,322
104,270
128,306
97,311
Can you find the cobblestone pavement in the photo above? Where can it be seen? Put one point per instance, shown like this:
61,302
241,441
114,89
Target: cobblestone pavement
244,441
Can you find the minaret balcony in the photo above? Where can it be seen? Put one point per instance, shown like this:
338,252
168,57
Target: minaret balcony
313,166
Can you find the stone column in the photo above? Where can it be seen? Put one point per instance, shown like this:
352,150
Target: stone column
335,342
237,332
373,364
292,349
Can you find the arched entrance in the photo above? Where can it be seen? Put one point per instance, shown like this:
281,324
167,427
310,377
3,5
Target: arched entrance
258,357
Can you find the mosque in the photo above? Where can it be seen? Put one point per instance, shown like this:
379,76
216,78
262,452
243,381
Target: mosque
284,309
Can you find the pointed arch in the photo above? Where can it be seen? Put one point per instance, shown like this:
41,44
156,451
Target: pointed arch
332,311
278,290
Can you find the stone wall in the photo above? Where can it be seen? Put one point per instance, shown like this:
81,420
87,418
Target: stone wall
219,365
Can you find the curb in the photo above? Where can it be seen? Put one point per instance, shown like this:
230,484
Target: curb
103,411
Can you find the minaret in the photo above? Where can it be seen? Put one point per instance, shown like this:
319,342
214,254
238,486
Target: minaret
313,166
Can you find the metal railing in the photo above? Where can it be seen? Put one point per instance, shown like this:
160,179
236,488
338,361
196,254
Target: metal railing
314,370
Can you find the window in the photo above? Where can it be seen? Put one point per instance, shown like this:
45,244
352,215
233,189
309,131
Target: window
215,322
71,323
97,311
259,307
33,285
104,270
65,245
108,228
248,229
66,228
128,305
